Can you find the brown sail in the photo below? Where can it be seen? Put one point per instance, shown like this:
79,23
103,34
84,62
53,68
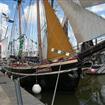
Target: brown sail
56,37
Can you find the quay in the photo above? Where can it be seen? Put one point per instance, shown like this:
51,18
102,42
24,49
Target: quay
8,93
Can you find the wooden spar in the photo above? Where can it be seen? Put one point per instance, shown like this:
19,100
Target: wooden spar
19,13
65,26
39,31
1,27
89,3
20,31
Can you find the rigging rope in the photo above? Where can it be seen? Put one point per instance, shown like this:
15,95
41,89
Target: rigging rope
53,99
27,17
12,31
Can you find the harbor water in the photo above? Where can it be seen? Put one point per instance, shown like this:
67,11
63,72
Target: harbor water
91,91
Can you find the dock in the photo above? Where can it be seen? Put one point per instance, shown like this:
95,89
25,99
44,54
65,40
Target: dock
96,70
101,70
8,93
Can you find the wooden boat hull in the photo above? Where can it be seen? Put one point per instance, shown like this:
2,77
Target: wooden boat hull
47,82
68,81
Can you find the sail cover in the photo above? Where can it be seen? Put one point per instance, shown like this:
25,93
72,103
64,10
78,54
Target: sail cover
56,38
86,25
4,48
88,3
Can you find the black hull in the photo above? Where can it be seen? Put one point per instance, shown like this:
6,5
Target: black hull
47,82
68,81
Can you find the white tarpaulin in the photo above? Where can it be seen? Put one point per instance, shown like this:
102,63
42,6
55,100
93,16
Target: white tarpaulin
4,48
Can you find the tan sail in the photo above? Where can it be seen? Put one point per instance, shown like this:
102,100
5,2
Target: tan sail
86,25
56,37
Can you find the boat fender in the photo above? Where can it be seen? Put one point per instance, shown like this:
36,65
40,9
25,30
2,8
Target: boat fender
36,88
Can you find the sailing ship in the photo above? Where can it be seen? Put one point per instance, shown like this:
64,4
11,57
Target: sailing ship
57,62
61,58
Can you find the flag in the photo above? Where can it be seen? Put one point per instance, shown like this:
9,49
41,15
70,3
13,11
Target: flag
4,14
7,18
10,21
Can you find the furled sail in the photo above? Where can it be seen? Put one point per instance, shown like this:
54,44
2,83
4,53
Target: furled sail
86,25
4,48
56,38
88,3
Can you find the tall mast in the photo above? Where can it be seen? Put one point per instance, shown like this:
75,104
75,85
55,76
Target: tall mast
1,28
20,31
39,31
19,13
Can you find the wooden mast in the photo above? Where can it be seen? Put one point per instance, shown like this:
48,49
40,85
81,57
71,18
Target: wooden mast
19,13
19,22
21,39
39,31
